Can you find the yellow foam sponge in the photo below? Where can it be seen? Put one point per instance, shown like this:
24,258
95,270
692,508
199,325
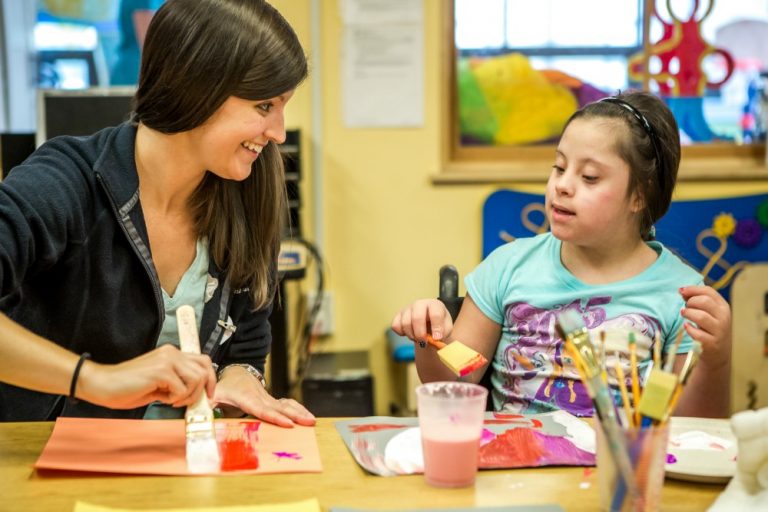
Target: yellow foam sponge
458,357
658,391
461,359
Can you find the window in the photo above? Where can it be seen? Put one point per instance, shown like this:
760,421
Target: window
518,69
90,44
74,45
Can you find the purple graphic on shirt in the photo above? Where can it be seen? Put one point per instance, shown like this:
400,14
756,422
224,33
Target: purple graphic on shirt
538,374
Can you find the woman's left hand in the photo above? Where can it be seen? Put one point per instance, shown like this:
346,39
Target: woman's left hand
240,389
708,318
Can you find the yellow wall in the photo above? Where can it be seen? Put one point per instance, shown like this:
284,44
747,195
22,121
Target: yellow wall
387,228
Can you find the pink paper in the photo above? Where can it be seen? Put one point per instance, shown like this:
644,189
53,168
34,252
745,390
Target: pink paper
157,447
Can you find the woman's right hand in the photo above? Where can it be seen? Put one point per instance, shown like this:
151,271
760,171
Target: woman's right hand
425,316
165,374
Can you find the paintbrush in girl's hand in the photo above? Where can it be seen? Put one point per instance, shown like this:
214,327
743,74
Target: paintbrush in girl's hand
458,357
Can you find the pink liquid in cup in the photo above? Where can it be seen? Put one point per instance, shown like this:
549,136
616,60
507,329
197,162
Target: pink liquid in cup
450,462
451,422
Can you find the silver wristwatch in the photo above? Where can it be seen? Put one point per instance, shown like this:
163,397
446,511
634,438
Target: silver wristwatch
247,367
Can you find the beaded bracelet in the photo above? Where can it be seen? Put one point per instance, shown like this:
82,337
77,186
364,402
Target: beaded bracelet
75,375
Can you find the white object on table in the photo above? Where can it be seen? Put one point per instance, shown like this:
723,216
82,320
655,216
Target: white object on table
748,490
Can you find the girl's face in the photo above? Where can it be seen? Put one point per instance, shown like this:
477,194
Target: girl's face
232,138
586,199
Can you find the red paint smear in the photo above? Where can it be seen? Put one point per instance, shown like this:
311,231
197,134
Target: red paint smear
356,429
508,416
250,427
520,445
532,422
238,454
526,447
238,450
473,364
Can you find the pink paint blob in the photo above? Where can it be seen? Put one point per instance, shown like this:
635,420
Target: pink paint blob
450,462
287,455
487,436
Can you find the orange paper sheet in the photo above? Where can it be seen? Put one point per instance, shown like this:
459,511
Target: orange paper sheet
157,447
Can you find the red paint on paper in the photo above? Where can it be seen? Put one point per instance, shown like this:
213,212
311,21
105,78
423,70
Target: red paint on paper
374,427
238,449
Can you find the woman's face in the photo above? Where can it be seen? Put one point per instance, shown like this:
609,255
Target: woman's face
232,138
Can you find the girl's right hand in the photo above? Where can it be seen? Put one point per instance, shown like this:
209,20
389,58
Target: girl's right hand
165,374
425,316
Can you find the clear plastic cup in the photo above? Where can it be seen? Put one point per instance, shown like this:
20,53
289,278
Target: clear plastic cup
451,423
647,449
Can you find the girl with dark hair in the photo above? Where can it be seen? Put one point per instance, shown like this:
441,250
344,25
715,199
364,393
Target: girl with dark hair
103,237
615,169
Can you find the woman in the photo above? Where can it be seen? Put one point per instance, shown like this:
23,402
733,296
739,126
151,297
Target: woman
103,237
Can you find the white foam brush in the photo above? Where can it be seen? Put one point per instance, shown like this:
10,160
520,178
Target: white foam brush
202,448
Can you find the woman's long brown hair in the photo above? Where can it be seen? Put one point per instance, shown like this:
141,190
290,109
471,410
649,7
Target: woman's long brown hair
198,53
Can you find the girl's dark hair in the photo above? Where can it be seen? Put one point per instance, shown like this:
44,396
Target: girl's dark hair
198,53
651,148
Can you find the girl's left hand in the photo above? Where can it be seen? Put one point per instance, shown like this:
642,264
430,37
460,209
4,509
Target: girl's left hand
240,389
709,322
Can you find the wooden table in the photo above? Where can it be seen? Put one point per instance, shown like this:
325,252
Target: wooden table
342,483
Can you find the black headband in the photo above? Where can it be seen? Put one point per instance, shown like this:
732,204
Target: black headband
648,129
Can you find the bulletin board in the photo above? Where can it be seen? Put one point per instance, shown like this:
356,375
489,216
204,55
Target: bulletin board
715,236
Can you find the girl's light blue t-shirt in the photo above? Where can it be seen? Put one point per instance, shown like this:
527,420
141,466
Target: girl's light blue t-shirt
523,285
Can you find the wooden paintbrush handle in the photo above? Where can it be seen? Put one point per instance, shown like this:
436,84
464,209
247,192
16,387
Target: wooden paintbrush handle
432,341
189,341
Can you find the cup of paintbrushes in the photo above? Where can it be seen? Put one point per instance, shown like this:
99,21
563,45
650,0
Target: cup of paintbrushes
647,448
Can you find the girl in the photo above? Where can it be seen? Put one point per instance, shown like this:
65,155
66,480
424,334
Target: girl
615,168
102,238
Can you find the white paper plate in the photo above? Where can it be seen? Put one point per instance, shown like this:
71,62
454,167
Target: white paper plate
701,450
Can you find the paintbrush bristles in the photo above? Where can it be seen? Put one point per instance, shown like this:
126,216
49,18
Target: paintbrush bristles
622,380
690,361
657,349
202,448
574,333
635,378
670,362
